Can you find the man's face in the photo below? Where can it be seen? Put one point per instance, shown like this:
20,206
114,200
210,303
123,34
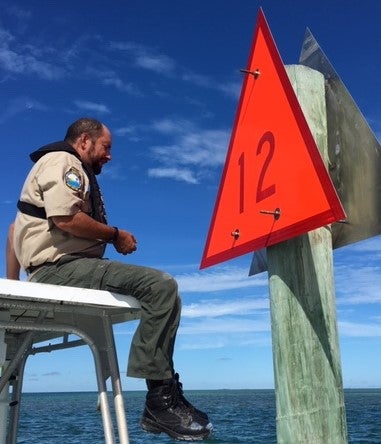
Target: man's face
98,151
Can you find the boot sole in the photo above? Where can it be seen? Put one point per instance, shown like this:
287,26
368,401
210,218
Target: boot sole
153,427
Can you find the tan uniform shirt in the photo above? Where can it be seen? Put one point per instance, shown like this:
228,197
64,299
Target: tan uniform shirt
58,183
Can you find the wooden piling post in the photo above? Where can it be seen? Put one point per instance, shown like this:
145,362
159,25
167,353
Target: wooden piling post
308,380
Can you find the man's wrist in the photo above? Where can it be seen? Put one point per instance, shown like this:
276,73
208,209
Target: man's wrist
115,236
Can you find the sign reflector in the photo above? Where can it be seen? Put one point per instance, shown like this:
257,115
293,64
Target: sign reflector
274,185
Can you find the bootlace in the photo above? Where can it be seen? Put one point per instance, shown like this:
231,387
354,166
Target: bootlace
180,393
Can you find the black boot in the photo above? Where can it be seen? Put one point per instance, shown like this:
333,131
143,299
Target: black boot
192,408
165,412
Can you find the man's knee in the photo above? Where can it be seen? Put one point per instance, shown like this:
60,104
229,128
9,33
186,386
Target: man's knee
167,283
166,289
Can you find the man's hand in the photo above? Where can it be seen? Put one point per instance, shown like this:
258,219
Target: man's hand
125,242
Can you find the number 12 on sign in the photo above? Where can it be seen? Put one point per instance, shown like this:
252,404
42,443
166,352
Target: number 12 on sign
261,192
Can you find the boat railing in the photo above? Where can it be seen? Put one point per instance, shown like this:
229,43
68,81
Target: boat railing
32,314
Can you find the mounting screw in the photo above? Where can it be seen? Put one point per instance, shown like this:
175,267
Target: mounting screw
235,233
275,213
255,73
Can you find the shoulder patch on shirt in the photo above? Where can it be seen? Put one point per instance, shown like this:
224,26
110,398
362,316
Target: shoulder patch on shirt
73,179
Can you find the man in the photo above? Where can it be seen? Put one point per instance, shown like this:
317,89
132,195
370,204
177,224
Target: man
12,264
60,236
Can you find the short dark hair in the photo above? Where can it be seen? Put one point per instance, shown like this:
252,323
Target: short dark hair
92,127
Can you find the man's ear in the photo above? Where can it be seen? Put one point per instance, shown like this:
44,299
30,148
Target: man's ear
84,142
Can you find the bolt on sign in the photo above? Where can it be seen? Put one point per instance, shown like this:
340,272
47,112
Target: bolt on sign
274,185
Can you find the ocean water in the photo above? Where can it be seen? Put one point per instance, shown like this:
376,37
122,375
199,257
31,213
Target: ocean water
238,416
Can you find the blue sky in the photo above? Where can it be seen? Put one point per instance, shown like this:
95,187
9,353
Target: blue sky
164,77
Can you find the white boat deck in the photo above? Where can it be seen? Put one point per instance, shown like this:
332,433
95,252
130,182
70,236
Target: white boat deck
31,313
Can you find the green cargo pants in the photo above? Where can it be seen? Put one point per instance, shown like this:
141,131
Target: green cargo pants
152,346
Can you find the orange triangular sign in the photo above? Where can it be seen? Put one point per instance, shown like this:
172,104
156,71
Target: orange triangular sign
274,185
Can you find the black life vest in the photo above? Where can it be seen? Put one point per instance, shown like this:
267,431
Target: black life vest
97,207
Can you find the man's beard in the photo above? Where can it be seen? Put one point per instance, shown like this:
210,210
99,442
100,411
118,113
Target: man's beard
95,164
97,168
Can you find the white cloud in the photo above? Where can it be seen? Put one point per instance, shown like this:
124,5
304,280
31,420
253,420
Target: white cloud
358,284
203,344
353,329
16,58
111,78
20,105
159,63
172,127
231,89
198,79
114,80
150,59
145,57
225,326
220,341
92,106
180,174
124,130
196,147
372,245
217,308
225,278
191,153
113,171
